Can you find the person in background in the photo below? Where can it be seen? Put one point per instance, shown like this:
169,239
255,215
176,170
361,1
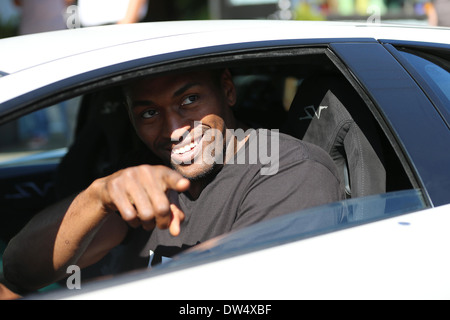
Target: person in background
36,17
103,12
438,12
41,16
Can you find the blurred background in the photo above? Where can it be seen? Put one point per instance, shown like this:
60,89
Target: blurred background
383,11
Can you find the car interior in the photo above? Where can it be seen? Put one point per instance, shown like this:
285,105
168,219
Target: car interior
304,93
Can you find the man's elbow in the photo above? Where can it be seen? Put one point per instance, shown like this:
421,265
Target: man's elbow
11,272
20,273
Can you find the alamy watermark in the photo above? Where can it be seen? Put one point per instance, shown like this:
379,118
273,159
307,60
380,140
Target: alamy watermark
74,280
212,147
72,18
375,14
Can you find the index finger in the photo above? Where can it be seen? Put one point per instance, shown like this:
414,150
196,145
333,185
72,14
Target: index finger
175,180
177,218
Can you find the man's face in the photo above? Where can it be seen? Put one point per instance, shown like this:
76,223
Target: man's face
174,114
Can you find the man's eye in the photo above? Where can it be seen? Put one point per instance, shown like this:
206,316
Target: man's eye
149,114
189,100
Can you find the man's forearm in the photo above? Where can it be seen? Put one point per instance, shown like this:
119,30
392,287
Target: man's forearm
54,239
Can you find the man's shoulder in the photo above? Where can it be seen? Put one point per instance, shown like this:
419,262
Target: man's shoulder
292,147
294,152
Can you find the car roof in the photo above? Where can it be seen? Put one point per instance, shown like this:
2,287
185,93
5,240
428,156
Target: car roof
32,62
18,53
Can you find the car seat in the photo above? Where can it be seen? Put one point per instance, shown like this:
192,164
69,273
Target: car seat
328,112
259,102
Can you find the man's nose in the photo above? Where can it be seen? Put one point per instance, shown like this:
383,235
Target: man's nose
176,126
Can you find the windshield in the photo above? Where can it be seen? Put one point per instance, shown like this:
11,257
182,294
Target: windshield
301,225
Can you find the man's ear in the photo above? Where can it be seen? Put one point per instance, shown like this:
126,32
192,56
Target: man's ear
228,87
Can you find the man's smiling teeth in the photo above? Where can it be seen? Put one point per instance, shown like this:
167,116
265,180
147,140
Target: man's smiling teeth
185,149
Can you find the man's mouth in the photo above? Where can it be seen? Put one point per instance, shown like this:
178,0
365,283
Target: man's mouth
186,148
185,153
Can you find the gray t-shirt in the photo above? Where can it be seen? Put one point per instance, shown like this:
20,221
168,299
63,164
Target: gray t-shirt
240,195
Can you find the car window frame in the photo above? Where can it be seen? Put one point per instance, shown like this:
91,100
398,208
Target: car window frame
219,60
435,98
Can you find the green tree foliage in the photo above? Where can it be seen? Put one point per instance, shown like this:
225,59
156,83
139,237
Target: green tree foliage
8,28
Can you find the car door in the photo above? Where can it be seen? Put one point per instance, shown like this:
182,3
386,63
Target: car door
268,75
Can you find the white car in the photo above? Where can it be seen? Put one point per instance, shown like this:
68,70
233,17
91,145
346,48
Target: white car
386,241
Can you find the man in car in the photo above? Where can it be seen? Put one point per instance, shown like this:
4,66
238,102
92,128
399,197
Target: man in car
216,180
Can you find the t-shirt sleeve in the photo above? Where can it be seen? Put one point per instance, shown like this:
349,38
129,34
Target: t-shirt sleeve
298,185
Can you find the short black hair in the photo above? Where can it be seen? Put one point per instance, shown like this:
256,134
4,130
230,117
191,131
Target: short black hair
216,75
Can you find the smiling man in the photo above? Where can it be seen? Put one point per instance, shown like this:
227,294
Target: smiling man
154,212
174,114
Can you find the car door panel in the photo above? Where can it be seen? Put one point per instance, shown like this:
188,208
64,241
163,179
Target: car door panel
24,191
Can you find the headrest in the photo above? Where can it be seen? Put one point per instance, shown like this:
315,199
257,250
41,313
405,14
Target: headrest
328,112
307,102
